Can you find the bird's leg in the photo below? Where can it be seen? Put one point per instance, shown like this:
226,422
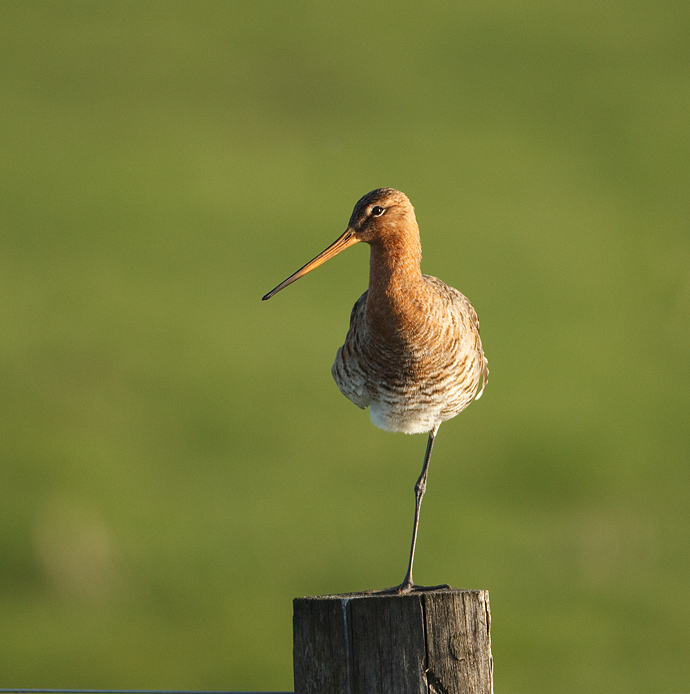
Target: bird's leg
407,586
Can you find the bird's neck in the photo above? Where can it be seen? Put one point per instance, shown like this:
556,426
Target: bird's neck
395,302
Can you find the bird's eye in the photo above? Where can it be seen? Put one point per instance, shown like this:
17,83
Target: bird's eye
377,211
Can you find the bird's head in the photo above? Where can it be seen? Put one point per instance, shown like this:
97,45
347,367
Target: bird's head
384,217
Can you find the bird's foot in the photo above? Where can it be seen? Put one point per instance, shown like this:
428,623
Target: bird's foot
407,587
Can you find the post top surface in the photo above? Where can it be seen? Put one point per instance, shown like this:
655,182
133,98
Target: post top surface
378,594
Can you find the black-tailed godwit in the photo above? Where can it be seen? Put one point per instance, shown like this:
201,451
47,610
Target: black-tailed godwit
412,355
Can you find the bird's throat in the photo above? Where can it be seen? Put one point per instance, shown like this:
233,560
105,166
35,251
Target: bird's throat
395,303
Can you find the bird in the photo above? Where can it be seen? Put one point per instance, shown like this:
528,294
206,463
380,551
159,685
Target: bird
412,353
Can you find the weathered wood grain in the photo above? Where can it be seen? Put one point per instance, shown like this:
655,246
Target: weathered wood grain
432,642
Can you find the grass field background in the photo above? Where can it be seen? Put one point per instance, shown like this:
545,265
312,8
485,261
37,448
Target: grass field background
176,463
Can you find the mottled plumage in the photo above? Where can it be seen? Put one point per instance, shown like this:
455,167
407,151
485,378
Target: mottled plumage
411,386
412,354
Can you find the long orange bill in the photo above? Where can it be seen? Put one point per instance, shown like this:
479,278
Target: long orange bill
345,241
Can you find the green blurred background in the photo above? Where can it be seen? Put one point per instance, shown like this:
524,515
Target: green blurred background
176,462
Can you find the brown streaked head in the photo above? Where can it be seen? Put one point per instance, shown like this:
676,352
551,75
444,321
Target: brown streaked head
384,215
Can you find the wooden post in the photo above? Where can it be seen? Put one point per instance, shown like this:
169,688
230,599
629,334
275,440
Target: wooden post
432,642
